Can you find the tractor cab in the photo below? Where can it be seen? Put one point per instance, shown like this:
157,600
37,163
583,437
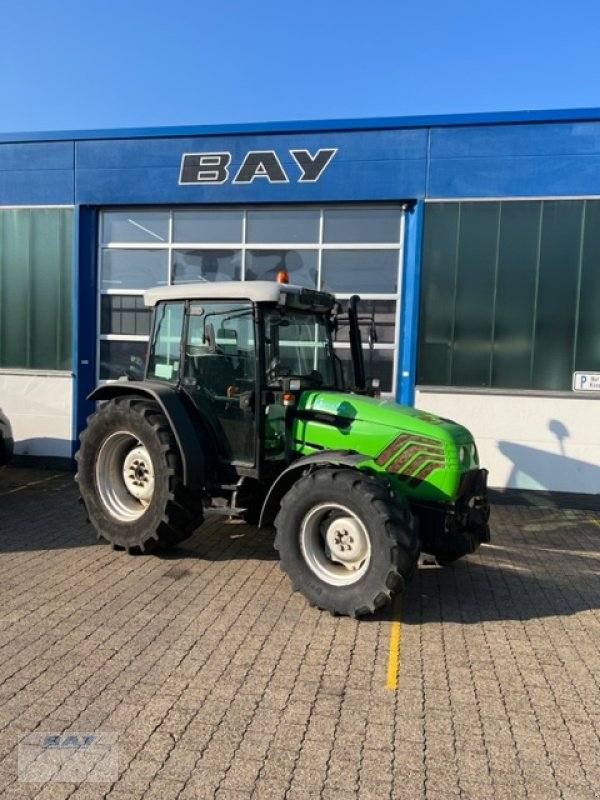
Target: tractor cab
243,353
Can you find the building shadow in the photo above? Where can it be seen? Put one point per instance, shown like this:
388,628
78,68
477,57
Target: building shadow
42,452
39,511
541,470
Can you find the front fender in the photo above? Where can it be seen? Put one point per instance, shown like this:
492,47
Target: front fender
180,416
284,482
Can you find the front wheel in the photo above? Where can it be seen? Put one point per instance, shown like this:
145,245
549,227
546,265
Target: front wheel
346,543
129,476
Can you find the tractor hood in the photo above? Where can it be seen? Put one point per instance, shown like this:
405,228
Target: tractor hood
381,414
429,452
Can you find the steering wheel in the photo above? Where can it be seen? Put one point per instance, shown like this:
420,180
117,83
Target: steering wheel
277,370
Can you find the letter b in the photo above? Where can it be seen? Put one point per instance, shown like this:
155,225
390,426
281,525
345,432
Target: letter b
204,167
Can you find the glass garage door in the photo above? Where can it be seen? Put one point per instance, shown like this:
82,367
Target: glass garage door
344,250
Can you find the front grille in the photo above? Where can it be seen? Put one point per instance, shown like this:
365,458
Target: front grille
411,456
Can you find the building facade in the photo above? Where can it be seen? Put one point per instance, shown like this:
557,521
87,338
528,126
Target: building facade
473,241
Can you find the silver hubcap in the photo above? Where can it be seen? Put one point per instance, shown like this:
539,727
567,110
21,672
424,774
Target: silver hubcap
124,476
335,544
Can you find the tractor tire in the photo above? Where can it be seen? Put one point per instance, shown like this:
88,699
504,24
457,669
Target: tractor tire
129,475
346,543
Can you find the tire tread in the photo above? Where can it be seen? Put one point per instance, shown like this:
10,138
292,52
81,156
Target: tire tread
182,512
386,514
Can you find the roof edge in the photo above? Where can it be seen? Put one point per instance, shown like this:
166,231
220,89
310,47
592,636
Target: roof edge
317,126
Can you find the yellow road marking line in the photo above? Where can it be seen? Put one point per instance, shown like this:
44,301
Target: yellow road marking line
395,641
27,485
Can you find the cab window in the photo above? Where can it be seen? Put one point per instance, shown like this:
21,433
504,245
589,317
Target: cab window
165,350
220,360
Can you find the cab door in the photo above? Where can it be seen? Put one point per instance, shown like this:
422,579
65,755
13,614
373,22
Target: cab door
220,375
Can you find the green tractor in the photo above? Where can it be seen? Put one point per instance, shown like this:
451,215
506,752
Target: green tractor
243,410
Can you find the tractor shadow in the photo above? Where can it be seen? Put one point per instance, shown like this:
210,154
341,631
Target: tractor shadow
222,539
543,561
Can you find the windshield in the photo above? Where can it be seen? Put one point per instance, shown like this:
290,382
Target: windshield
298,343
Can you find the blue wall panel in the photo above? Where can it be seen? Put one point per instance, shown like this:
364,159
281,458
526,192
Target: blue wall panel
515,160
549,139
383,165
37,173
489,160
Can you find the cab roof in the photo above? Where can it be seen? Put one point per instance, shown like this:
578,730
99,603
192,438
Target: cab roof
255,291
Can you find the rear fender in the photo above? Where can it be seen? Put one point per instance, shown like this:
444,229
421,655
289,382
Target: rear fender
180,417
285,481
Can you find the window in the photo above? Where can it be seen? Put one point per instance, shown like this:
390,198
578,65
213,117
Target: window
362,226
219,369
125,315
298,344
122,358
165,353
137,225
287,225
346,250
508,293
364,271
301,265
36,288
208,226
202,266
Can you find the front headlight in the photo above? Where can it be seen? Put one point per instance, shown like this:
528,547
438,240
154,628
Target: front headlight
462,454
474,454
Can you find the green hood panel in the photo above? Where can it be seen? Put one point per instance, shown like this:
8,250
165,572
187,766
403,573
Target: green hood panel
420,452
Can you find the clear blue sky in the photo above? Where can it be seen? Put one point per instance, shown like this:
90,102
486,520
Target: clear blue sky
87,64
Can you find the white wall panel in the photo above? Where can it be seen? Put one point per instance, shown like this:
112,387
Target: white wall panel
39,406
529,442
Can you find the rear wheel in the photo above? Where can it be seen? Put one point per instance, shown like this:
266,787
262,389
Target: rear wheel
346,543
129,477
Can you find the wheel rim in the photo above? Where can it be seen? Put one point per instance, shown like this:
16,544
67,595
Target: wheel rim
124,476
335,544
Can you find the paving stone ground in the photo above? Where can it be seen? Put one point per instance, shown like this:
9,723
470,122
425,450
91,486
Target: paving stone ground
218,682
